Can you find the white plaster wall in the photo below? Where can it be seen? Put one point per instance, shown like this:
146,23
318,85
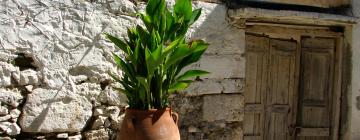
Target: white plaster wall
71,59
64,95
355,74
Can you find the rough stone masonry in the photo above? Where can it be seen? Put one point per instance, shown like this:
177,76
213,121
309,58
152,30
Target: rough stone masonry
54,61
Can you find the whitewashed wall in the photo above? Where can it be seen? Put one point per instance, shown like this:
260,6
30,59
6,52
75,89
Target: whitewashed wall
53,69
54,62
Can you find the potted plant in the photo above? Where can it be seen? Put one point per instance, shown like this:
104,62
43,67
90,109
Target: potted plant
155,56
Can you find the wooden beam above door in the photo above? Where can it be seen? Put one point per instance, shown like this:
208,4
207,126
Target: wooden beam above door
313,3
239,17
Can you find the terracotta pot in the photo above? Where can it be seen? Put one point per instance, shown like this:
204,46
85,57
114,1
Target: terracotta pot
149,125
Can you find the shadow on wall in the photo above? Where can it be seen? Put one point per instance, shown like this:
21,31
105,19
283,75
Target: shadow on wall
225,44
215,29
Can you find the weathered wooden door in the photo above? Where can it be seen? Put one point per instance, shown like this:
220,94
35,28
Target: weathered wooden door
270,88
316,114
257,55
289,89
281,96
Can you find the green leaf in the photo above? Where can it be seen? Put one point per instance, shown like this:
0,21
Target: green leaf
143,82
169,25
142,94
178,86
128,86
147,21
153,40
179,53
162,25
173,45
183,8
158,38
136,55
199,47
143,34
131,57
195,16
152,7
120,44
192,73
123,66
157,56
150,62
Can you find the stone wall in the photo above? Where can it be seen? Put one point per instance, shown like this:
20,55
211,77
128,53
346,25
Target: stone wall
53,68
211,107
54,61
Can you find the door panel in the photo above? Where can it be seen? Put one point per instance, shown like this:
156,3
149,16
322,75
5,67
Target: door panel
280,98
317,64
257,60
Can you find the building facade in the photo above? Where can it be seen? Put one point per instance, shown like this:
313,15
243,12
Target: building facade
280,70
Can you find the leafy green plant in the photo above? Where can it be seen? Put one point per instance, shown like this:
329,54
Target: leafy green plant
156,54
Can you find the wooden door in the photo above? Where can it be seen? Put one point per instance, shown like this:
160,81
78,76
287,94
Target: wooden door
316,113
270,88
290,92
281,98
257,55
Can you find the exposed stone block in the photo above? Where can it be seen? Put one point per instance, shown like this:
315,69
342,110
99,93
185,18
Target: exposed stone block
113,112
13,129
3,110
76,137
225,107
55,111
116,123
29,88
62,135
100,134
4,126
15,113
224,131
5,118
89,90
99,122
6,72
112,97
29,77
10,97
99,111
216,86
223,66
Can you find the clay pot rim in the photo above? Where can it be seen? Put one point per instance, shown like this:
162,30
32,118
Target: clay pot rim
149,110
147,113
